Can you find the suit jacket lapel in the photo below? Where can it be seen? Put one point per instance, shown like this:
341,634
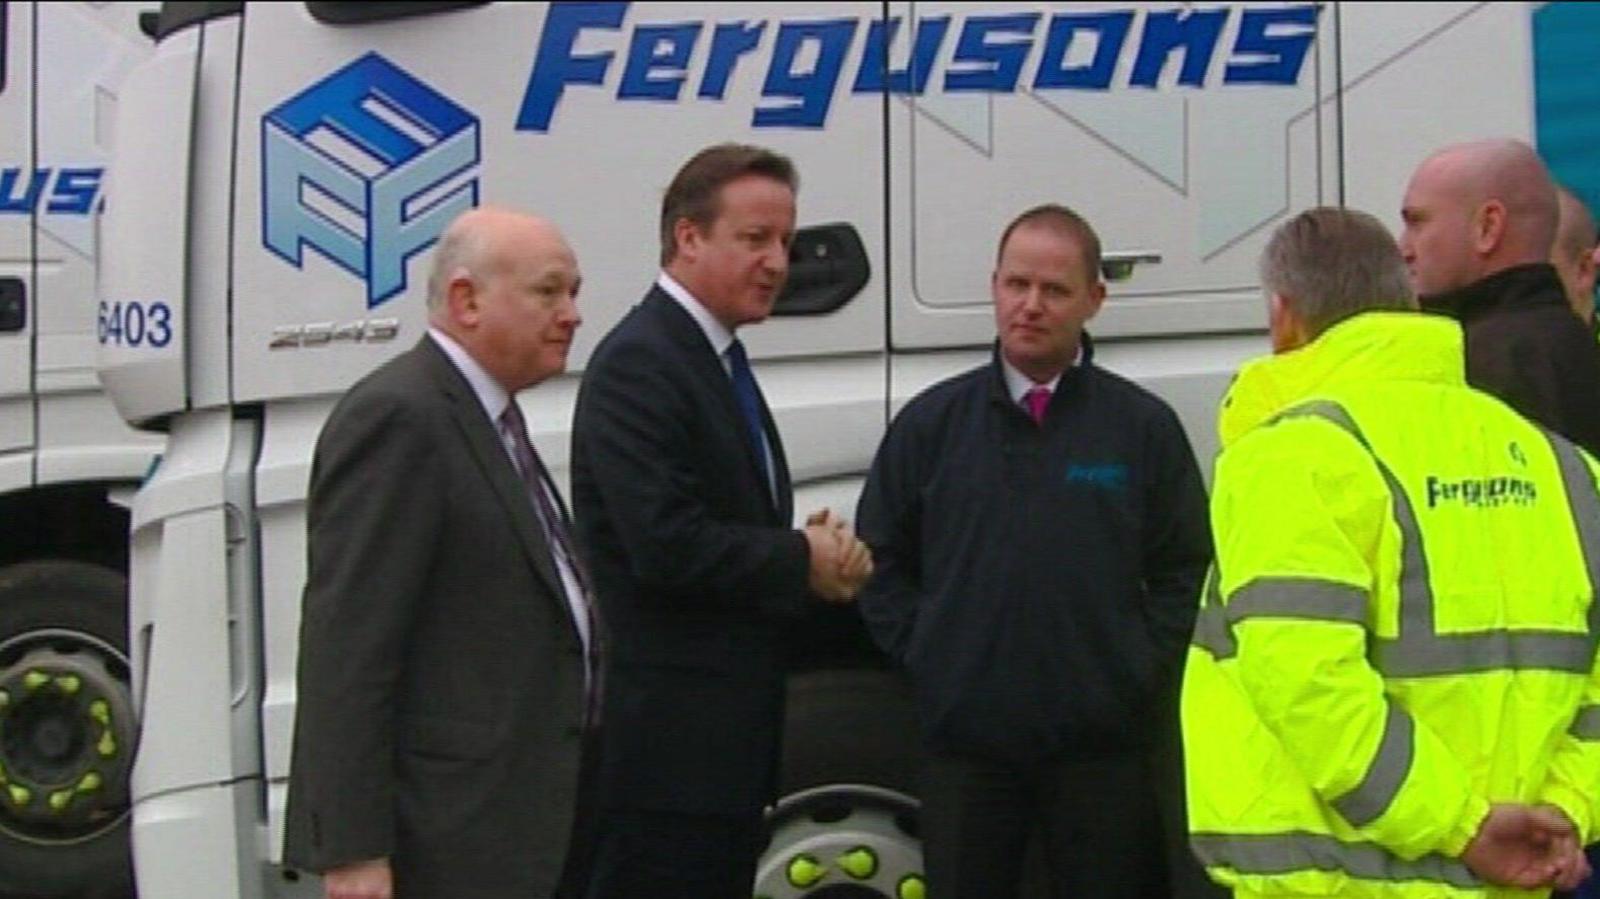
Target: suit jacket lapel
686,333
490,456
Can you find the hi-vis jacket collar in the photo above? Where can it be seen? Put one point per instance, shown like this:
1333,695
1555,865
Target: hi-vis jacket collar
1372,346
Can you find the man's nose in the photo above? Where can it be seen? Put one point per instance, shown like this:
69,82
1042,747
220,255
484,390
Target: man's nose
776,259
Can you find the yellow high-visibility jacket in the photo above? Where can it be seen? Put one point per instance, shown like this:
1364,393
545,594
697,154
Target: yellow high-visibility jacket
1400,628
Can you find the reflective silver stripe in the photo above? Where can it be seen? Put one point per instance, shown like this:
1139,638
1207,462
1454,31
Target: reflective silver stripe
1287,853
1283,597
1416,590
1416,587
1585,504
1212,635
1211,631
1418,651
1587,725
1484,651
1390,765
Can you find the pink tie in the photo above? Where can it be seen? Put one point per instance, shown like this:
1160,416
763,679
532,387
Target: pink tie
1036,399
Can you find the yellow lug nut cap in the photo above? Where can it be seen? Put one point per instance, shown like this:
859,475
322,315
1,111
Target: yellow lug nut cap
107,747
20,795
860,863
89,782
69,683
60,799
911,887
33,680
100,711
5,699
804,871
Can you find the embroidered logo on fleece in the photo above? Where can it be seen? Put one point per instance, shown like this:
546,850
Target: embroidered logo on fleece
1107,476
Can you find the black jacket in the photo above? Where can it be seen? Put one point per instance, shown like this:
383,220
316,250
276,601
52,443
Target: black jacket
1038,583
696,570
1525,346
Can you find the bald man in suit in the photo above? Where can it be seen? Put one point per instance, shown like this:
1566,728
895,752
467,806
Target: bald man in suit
448,641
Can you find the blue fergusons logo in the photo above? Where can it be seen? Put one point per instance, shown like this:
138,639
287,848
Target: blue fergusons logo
1077,51
1107,476
366,167
63,191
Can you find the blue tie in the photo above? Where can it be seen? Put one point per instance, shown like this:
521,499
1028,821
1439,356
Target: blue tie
749,397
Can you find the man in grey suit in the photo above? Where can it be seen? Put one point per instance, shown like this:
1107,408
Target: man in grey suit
447,644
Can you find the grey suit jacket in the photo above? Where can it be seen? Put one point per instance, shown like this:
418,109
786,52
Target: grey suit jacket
441,678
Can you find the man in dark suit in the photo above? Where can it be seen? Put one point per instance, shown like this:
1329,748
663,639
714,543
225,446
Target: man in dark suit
447,639
683,505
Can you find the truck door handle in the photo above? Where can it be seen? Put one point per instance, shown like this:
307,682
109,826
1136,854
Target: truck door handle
1118,265
827,268
13,305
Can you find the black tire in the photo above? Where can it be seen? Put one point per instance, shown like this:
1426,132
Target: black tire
90,600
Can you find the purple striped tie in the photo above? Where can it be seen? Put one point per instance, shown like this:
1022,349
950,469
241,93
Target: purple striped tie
534,478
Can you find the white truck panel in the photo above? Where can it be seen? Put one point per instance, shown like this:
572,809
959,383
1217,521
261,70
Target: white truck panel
147,257
1197,174
200,842
598,171
16,240
1424,76
282,475
209,210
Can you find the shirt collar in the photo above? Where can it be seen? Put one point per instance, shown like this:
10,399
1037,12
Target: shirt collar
491,395
1018,383
717,334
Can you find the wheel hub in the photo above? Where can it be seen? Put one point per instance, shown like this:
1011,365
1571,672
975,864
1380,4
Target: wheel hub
842,842
66,729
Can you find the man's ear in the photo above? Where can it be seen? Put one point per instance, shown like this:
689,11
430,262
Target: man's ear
1097,297
462,302
1488,227
1283,324
688,237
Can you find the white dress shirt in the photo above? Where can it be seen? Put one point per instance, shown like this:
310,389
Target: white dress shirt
1018,384
720,338
494,400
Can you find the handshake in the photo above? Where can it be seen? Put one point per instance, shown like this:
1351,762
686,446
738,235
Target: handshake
840,562
1528,847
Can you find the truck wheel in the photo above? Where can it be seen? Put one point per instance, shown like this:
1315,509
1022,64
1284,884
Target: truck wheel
847,826
66,731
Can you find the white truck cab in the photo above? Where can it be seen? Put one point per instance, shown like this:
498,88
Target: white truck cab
68,461
283,170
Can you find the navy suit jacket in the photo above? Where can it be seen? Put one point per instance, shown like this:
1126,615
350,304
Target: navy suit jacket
695,566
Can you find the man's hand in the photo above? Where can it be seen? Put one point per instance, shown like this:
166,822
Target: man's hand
840,561
1526,847
1572,864
359,880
